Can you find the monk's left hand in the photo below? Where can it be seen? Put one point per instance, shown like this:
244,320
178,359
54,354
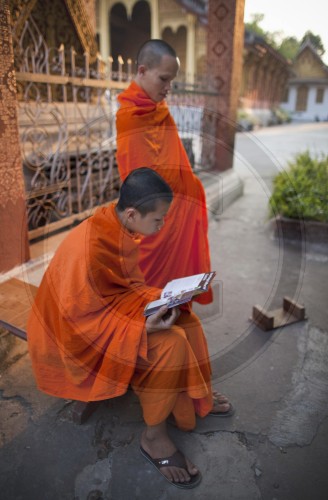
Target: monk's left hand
162,320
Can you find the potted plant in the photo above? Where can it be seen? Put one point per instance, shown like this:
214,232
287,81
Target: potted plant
299,201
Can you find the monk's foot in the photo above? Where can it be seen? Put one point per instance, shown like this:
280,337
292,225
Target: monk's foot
221,406
176,468
219,398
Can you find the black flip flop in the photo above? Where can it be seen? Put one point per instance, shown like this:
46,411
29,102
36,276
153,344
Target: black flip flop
175,460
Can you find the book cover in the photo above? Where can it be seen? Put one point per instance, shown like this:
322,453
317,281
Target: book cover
180,291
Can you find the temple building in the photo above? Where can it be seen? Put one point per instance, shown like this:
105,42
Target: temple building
63,64
306,95
65,61
265,76
123,26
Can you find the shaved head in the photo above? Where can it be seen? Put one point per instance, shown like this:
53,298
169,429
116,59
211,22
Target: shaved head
142,189
151,52
158,65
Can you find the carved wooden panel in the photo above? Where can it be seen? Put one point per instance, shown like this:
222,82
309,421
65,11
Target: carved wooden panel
60,21
13,232
11,180
224,52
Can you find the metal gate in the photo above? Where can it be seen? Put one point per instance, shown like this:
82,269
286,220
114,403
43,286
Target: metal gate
66,112
67,131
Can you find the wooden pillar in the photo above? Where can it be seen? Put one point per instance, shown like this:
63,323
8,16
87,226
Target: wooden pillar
104,30
14,248
190,56
260,83
154,13
274,84
224,59
250,81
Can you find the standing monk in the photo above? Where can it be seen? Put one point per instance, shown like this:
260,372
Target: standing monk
147,135
89,339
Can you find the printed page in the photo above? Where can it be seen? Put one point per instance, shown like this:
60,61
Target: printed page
181,285
180,291
153,307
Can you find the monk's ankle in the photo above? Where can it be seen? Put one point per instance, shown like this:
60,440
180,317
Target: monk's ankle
155,432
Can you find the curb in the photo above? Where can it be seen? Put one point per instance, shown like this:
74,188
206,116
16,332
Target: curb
222,189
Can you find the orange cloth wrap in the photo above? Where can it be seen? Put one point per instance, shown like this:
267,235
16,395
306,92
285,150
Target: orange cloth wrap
86,328
175,378
86,332
147,137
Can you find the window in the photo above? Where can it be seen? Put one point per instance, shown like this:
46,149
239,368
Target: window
302,97
319,96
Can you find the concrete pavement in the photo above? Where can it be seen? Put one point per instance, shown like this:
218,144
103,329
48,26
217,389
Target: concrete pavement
275,447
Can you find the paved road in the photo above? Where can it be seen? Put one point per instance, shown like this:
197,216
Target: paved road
242,236
268,150
276,446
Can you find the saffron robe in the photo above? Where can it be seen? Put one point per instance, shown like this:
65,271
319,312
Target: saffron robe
86,332
147,137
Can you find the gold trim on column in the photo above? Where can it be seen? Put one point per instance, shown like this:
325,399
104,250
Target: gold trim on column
20,11
11,180
83,26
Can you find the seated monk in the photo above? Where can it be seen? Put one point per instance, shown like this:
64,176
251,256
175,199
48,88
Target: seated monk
147,135
89,339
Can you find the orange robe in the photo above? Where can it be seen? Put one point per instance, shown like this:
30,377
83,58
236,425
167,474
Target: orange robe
147,137
86,332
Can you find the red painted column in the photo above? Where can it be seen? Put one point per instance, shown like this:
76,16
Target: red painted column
14,248
224,60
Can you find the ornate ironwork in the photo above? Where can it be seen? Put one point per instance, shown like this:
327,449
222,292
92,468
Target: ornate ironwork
67,108
56,19
67,130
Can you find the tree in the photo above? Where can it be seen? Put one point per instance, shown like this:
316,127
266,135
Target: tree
289,47
315,40
254,27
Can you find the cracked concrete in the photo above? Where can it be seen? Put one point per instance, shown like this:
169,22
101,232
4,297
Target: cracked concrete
273,448
305,406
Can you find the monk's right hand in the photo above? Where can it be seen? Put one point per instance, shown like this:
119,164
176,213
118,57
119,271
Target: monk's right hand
162,320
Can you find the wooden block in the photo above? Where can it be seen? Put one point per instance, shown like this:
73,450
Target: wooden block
293,308
291,312
262,318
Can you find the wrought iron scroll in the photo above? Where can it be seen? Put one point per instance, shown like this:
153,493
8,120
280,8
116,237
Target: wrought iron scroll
67,108
67,130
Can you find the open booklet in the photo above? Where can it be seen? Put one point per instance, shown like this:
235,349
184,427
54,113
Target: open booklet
180,291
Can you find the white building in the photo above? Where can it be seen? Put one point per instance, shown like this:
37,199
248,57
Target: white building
306,97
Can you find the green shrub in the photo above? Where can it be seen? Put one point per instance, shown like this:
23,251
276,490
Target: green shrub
282,116
302,191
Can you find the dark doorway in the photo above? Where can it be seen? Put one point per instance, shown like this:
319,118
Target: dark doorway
178,41
127,35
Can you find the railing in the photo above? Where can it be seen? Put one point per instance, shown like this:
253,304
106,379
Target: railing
67,127
67,109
